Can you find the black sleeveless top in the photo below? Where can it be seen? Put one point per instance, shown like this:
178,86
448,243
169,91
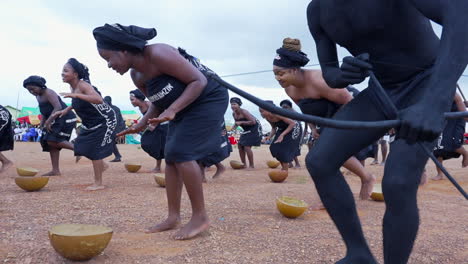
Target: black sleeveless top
322,107
46,109
92,115
280,125
164,89
246,127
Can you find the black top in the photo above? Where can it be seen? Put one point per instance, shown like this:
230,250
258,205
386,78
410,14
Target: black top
119,118
46,109
91,114
322,107
280,124
164,89
246,127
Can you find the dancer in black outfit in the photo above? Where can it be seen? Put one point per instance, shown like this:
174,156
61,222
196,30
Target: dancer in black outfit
6,138
286,104
120,128
183,92
418,72
56,132
153,140
450,142
309,91
97,133
286,134
215,158
252,131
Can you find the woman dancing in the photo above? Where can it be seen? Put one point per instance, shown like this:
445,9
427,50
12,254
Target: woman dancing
309,91
6,138
252,134
97,133
153,140
181,91
56,132
286,135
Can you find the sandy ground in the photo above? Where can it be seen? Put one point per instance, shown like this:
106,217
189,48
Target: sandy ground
245,224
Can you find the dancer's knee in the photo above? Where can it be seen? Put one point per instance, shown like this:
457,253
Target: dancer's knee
318,166
399,191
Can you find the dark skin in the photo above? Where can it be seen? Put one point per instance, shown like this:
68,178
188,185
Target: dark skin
392,32
144,106
239,113
50,96
82,90
155,60
272,118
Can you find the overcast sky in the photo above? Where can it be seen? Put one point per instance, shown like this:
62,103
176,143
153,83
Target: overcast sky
38,37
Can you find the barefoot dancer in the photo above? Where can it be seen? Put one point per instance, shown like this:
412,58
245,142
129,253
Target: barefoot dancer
153,140
56,132
309,91
450,143
6,138
286,104
223,152
252,134
182,92
120,128
97,132
286,135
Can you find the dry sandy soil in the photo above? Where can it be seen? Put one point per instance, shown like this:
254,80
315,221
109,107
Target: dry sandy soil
245,224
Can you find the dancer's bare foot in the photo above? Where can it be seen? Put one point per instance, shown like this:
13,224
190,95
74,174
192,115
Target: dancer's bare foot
6,165
317,207
168,224
95,187
382,163
251,167
156,170
366,187
196,226
423,178
465,161
52,173
439,177
219,170
298,166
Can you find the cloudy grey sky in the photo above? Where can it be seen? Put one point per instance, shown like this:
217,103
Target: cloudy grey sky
228,36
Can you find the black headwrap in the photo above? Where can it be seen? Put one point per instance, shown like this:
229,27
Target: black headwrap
138,94
286,102
36,81
117,37
290,59
236,100
108,100
80,69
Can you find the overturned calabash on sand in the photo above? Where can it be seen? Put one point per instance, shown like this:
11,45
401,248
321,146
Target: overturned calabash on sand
160,179
278,175
273,164
31,184
132,167
79,242
236,164
377,194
